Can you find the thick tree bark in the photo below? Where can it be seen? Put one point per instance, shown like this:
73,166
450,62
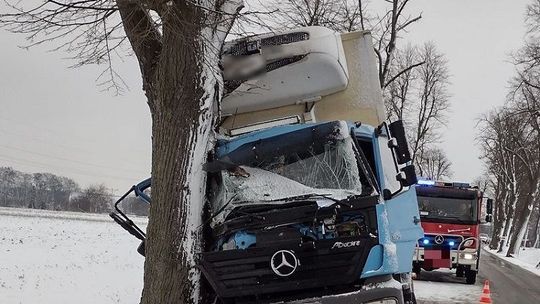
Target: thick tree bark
498,218
522,219
509,212
182,120
513,220
535,223
183,85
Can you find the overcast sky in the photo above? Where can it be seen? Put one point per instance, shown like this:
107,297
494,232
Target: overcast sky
55,119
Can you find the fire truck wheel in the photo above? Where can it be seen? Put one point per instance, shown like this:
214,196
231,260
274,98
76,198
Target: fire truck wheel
459,271
470,276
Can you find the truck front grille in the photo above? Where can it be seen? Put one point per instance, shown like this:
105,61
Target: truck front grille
240,273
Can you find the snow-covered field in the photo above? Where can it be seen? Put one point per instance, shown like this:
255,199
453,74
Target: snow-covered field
527,258
65,257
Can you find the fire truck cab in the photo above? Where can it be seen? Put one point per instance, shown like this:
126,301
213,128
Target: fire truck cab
450,214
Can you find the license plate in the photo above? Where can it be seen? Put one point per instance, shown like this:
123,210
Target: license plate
437,258
432,254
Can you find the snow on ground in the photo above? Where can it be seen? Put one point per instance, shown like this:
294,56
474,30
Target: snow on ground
527,258
442,286
67,257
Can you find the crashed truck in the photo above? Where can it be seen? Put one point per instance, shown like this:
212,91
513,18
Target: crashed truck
309,189
451,217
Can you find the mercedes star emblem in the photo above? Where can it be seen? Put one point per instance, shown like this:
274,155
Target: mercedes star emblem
439,239
284,263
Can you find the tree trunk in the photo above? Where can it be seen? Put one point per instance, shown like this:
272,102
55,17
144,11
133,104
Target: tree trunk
522,220
182,121
185,98
515,221
498,219
179,65
534,225
509,212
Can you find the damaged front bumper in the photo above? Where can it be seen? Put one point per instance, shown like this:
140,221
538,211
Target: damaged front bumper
383,295
270,257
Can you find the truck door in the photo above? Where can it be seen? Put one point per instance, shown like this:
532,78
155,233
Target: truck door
398,217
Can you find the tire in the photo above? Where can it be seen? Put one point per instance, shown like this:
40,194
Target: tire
459,271
411,299
417,269
470,277
408,294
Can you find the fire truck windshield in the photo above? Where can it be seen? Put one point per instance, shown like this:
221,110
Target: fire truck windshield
443,209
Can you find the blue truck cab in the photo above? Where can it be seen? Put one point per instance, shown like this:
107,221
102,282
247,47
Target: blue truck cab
311,211
319,211
310,193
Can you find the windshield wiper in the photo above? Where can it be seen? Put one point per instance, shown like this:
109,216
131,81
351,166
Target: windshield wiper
306,196
319,195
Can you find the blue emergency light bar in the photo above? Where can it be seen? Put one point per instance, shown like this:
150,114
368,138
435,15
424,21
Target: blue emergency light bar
426,182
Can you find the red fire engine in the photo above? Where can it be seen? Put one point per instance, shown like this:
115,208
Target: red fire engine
450,214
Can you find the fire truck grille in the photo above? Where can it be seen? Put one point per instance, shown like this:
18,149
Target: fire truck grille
447,241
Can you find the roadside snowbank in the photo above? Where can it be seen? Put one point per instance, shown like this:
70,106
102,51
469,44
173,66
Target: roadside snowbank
66,257
527,258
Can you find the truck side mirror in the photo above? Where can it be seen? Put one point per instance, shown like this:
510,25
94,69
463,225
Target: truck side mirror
407,176
397,131
488,218
489,206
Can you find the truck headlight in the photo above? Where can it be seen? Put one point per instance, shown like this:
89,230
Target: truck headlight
383,301
468,256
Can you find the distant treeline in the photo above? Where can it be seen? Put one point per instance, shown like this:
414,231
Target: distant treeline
52,192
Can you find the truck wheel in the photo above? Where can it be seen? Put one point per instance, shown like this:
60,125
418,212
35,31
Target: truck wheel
416,269
410,298
470,276
459,271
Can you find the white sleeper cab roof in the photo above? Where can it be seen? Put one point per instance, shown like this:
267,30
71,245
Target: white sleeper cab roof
308,74
279,69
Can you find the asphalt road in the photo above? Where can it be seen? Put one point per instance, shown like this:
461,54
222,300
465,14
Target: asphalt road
509,284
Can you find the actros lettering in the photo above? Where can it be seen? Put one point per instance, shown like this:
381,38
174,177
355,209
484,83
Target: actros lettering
345,245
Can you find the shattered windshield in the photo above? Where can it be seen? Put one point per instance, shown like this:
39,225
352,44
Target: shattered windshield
327,169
